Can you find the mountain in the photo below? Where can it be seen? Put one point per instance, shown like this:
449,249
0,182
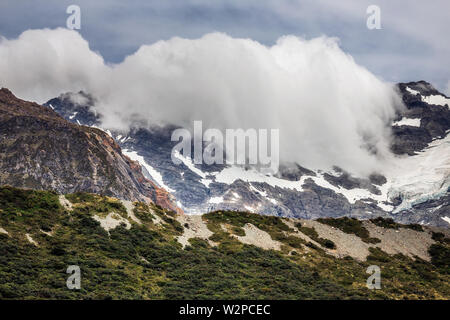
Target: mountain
414,190
41,150
140,251
426,118
75,195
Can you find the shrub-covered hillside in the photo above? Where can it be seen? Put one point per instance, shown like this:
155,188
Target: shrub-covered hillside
140,251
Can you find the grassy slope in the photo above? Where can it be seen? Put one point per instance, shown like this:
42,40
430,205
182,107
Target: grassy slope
146,262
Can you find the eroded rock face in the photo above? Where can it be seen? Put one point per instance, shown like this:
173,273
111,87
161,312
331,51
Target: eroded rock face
403,241
408,242
41,150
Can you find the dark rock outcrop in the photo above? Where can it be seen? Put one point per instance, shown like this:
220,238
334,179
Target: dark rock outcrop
39,149
434,119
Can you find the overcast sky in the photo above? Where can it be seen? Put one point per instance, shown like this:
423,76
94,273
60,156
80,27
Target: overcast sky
413,43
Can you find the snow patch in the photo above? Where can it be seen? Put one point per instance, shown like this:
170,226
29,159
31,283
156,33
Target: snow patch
249,208
436,100
407,122
234,173
73,115
231,174
412,91
262,193
188,163
155,175
385,207
446,219
216,200
421,177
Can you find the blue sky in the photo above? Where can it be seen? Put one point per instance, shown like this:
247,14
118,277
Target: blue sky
413,43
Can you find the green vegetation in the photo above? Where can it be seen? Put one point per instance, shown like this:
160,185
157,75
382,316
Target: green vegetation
350,226
239,219
440,237
391,224
312,233
142,211
33,208
413,226
95,204
440,256
146,261
388,223
238,231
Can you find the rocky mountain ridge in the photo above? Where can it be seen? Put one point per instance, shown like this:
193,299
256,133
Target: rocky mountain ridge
41,150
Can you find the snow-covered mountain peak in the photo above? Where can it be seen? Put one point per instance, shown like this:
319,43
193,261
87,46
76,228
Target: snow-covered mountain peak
411,188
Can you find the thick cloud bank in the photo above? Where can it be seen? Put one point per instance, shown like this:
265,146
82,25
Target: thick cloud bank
330,111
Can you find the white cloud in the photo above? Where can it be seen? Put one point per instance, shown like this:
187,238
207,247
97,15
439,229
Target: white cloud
327,107
44,63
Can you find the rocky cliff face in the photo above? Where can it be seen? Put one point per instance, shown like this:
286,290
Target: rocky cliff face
41,150
414,191
427,117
